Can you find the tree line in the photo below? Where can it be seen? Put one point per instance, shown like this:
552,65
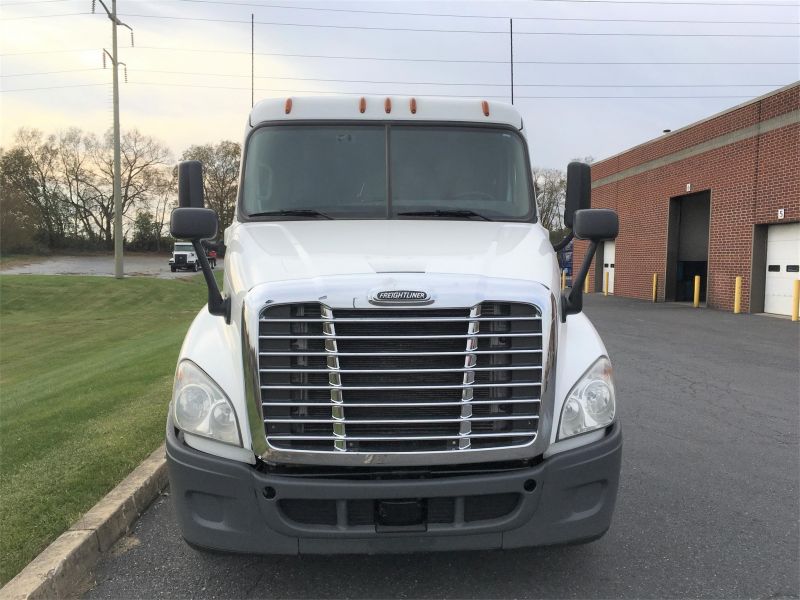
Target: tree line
56,190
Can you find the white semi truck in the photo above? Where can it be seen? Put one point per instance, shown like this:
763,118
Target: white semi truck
184,257
391,365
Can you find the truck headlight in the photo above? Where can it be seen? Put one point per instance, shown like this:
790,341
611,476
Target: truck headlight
200,407
591,404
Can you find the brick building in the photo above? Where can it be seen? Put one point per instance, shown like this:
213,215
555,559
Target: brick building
718,198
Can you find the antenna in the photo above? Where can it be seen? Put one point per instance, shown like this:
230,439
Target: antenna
252,60
511,53
119,272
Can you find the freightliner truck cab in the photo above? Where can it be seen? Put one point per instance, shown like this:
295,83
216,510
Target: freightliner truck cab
390,365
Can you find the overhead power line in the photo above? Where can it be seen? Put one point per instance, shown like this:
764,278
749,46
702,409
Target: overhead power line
396,82
315,91
79,14
55,87
470,31
443,15
29,3
49,72
62,51
629,2
469,61
432,60
446,83
462,16
477,31
458,16
677,3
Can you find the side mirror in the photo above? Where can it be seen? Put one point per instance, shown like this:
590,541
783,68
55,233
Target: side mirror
579,191
193,224
196,225
190,184
596,224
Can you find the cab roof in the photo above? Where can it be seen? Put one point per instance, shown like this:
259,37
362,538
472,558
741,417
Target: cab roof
384,108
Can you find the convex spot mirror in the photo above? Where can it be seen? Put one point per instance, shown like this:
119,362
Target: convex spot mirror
193,224
191,221
596,224
579,191
190,184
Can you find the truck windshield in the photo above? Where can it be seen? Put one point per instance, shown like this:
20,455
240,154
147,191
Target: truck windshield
184,248
328,171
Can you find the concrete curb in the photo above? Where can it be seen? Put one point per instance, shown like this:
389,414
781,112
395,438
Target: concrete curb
64,566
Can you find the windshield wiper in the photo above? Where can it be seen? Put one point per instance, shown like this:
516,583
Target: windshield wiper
293,212
465,214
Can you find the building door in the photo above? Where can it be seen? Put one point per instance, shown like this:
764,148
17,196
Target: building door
687,246
609,256
783,267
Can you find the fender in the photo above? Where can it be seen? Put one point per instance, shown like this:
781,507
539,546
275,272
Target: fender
579,346
216,348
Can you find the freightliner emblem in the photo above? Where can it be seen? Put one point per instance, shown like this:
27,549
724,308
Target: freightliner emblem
400,297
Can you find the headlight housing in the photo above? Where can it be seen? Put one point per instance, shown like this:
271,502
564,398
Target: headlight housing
591,403
201,408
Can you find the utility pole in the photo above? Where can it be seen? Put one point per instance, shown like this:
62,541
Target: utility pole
511,46
119,271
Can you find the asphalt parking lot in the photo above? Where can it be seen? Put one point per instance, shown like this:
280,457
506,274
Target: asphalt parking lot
708,502
136,264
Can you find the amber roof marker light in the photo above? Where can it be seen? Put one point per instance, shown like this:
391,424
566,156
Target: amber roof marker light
485,107
387,105
412,104
288,107
362,105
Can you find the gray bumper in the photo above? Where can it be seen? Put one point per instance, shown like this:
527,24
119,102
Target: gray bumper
221,505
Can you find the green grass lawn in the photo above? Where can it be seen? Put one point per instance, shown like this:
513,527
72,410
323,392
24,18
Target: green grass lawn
86,366
8,261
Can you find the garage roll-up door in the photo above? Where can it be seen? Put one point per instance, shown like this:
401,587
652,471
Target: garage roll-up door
783,267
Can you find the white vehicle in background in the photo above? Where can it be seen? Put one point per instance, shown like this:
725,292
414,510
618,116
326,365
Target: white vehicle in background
184,258
391,365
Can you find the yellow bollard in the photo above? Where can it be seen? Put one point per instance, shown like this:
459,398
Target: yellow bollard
696,291
563,280
586,284
605,283
737,295
796,300
655,286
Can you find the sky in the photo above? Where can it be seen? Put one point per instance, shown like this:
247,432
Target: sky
188,75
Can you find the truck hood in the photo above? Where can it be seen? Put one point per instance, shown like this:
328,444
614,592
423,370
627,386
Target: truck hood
287,250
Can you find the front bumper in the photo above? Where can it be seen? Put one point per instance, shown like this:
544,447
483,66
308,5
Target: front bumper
222,504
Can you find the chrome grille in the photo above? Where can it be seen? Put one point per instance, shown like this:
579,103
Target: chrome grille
400,380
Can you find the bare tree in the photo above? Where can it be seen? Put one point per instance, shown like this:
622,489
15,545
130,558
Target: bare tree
143,160
78,180
165,201
220,176
551,189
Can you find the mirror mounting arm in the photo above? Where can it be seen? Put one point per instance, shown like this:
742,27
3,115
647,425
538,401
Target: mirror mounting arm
563,243
572,299
217,305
